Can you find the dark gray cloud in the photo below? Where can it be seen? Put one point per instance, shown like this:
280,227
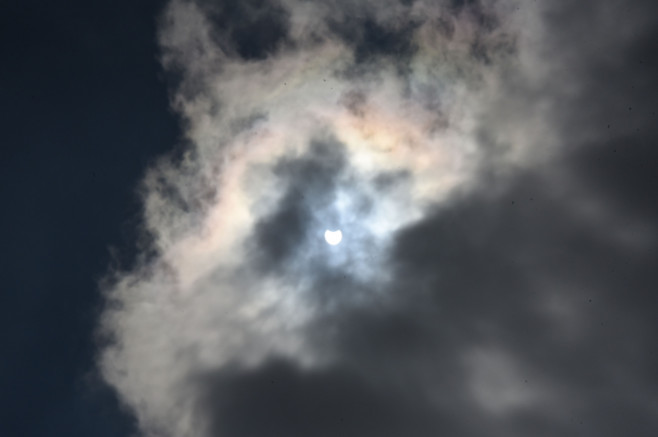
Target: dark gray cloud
251,29
280,399
370,40
516,298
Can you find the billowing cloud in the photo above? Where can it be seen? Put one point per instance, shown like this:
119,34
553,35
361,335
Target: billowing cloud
494,275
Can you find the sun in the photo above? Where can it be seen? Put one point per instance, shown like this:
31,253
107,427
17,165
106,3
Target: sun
333,237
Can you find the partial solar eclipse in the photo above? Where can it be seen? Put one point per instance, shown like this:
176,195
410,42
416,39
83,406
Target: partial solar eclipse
333,237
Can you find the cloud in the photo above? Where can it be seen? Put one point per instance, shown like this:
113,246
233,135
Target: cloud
495,273
279,399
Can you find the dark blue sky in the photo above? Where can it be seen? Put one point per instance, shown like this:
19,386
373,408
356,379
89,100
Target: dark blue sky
84,108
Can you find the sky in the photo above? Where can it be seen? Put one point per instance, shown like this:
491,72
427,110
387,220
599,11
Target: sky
170,169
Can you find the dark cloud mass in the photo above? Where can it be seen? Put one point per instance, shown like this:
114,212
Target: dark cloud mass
491,165
279,399
251,29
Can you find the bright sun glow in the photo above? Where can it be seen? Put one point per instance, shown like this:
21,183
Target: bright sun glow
333,237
